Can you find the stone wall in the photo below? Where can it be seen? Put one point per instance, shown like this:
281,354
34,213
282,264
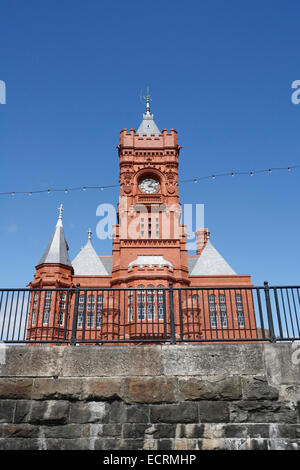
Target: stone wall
228,396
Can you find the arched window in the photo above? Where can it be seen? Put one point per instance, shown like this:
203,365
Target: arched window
212,299
160,294
141,294
150,294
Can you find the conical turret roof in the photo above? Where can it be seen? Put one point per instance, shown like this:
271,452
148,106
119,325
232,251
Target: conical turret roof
57,249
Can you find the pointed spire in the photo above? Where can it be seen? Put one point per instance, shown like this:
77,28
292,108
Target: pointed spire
57,249
148,125
148,99
87,262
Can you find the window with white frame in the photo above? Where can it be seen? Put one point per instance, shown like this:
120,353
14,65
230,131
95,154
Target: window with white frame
160,296
91,299
213,320
141,294
98,320
90,320
141,312
48,294
150,312
46,316
60,319
81,298
130,313
80,320
161,312
240,319
223,318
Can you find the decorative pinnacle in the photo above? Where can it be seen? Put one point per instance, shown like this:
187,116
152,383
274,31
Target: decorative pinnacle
89,234
148,99
60,213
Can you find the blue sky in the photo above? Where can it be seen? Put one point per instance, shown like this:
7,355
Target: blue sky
219,72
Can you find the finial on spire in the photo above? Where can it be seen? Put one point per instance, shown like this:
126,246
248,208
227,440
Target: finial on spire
148,99
89,234
60,213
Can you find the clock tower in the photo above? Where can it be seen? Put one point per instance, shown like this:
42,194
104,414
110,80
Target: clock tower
149,245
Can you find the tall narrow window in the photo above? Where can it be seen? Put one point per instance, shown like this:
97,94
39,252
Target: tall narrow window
80,320
60,319
213,320
223,317
90,320
141,312
240,319
149,228
46,315
98,320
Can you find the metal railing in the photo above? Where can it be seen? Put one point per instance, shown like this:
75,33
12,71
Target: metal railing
150,315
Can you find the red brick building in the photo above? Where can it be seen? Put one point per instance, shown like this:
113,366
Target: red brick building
149,252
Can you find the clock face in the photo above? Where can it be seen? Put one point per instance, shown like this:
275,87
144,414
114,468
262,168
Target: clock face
149,185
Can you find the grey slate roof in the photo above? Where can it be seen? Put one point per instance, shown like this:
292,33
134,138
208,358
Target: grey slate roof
56,251
148,126
209,263
107,263
88,263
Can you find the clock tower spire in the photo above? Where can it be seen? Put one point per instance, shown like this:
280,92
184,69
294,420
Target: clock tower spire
149,229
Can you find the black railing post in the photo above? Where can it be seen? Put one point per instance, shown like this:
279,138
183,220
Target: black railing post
75,316
269,312
171,308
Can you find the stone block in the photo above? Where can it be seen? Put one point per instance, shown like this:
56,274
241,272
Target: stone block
257,388
219,388
161,431
118,412
211,359
134,431
12,388
150,390
33,361
22,411
281,366
20,444
165,444
137,413
88,412
49,412
57,389
19,431
66,431
107,361
174,413
262,412
102,388
7,409
189,431
213,412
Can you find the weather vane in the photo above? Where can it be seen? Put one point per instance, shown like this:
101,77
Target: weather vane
147,98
